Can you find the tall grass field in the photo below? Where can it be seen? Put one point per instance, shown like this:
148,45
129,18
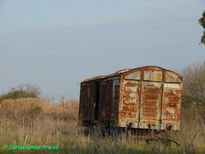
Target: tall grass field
35,125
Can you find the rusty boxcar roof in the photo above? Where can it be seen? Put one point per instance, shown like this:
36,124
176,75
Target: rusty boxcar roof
127,71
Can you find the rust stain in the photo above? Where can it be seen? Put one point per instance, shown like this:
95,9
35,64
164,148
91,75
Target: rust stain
171,106
146,97
130,97
151,112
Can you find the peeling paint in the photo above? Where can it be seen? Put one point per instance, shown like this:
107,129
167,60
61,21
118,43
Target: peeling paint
146,97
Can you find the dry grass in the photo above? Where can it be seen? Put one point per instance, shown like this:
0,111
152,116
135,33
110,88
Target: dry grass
25,104
22,123
31,108
192,133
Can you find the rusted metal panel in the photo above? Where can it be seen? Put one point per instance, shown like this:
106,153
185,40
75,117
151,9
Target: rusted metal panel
134,76
150,98
150,104
87,101
129,108
171,106
153,75
109,99
172,77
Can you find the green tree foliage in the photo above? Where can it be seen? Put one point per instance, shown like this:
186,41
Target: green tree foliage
202,23
22,91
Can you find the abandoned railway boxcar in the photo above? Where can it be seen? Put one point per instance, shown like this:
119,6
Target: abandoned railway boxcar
145,98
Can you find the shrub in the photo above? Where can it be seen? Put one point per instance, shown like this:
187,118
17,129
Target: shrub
22,91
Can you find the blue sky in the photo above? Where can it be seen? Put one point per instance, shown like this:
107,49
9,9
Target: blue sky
56,44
